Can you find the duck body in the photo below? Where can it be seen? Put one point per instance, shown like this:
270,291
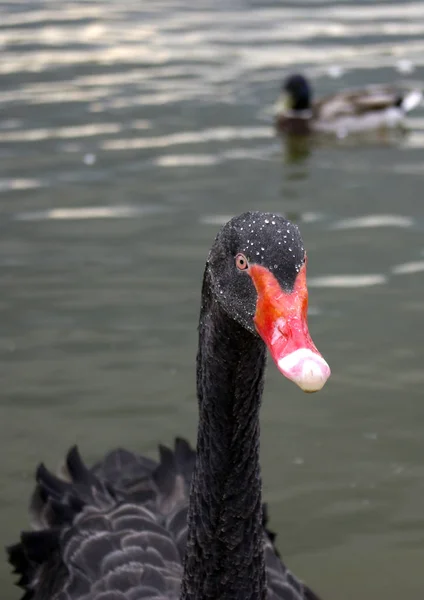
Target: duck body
350,112
192,525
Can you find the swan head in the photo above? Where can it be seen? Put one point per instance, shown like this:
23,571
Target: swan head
257,269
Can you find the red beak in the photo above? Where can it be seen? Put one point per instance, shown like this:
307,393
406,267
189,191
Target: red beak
281,321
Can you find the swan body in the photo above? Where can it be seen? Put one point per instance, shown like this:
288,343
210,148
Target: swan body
118,531
192,525
349,112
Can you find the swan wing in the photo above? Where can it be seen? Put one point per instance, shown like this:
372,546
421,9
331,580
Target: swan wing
118,531
104,534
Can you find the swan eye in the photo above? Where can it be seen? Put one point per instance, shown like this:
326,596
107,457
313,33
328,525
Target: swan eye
241,262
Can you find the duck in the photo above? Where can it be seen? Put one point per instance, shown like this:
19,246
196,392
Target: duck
353,111
191,525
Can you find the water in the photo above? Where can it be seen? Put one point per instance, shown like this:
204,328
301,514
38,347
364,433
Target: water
127,136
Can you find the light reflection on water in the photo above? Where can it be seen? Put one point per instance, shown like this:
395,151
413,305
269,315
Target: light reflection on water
128,135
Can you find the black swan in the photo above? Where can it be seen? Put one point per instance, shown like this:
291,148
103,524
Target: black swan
191,526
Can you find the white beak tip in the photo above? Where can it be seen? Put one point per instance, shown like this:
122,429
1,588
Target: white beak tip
305,368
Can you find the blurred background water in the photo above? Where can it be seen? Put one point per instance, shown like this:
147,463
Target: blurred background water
129,132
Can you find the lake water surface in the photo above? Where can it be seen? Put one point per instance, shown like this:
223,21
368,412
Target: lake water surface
129,132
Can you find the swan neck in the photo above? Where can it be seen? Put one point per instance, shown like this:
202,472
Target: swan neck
225,555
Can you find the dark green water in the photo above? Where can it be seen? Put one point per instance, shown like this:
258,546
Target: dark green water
129,132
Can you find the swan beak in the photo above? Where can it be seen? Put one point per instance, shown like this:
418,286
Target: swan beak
306,368
281,321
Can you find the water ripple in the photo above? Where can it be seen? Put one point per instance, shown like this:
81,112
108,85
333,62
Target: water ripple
371,221
218,134
8,185
88,212
78,131
409,268
347,281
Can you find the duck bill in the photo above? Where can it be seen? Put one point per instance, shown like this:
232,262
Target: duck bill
283,104
281,321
